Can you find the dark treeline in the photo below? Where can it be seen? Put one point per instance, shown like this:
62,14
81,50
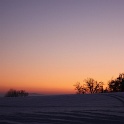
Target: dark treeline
16,93
92,86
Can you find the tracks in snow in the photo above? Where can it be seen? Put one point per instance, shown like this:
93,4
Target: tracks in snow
117,97
73,117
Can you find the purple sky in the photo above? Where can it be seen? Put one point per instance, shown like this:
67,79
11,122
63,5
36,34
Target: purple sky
60,42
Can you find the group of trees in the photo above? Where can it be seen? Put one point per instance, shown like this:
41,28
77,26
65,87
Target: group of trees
16,93
117,85
92,86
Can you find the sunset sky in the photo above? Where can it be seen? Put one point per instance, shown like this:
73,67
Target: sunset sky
46,46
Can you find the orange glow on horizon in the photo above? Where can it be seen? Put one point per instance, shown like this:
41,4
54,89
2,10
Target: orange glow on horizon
51,87
39,90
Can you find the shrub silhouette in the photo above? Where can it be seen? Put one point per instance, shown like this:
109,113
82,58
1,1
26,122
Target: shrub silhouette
15,93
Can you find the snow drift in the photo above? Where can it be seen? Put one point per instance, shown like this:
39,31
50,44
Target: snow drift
63,109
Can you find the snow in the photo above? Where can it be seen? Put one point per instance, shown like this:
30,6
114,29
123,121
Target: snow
63,109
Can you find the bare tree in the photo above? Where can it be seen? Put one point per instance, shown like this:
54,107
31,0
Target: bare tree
79,88
93,86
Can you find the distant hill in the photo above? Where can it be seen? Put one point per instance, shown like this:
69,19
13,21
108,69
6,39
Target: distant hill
36,94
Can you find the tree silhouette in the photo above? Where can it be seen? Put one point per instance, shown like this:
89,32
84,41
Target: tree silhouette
90,86
79,89
15,93
93,86
117,85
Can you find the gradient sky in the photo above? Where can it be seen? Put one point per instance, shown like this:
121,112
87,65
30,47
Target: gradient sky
47,46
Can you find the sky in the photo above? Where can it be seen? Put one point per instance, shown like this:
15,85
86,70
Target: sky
46,46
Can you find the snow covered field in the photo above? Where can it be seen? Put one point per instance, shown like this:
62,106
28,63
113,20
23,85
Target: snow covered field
63,109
